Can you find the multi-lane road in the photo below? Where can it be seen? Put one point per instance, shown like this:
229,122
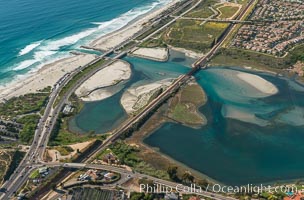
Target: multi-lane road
48,120
127,173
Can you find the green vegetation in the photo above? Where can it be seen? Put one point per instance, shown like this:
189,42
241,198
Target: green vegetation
91,193
64,150
25,104
17,157
202,10
227,11
34,174
62,136
183,107
154,28
181,113
128,155
193,35
145,196
296,54
29,126
240,57
242,2
190,34
5,159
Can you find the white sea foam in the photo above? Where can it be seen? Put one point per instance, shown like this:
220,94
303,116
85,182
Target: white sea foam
29,48
24,64
46,51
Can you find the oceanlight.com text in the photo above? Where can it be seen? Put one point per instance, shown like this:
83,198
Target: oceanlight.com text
216,188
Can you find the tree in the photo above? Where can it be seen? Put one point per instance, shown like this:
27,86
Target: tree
172,171
187,177
53,186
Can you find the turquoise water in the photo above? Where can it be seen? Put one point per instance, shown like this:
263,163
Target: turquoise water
103,116
34,32
250,137
238,151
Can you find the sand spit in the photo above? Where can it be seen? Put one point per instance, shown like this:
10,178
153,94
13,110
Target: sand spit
259,83
188,53
236,113
48,75
97,86
137,97
157,54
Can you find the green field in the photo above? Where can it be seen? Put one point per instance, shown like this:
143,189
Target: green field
34,174
240,57
228,11
183,107
128,155
202,10
243,2
189,34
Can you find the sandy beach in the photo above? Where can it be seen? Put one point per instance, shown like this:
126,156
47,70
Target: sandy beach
259,83
96,87
48,75
157,54
111,40
136,97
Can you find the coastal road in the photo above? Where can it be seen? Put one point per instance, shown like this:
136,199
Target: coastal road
46,125
136,175
47,122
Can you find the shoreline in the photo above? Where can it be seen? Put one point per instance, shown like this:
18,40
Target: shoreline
155,54
117,37
17,86
46,76
97,87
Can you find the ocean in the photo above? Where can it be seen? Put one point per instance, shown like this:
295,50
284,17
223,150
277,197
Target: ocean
33,33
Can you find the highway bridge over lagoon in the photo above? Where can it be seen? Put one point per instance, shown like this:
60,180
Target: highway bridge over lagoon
52,110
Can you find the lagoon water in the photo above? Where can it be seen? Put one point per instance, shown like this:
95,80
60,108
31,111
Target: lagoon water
250,137
239,150
102,116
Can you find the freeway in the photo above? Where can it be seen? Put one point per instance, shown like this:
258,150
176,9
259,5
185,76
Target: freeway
47,121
